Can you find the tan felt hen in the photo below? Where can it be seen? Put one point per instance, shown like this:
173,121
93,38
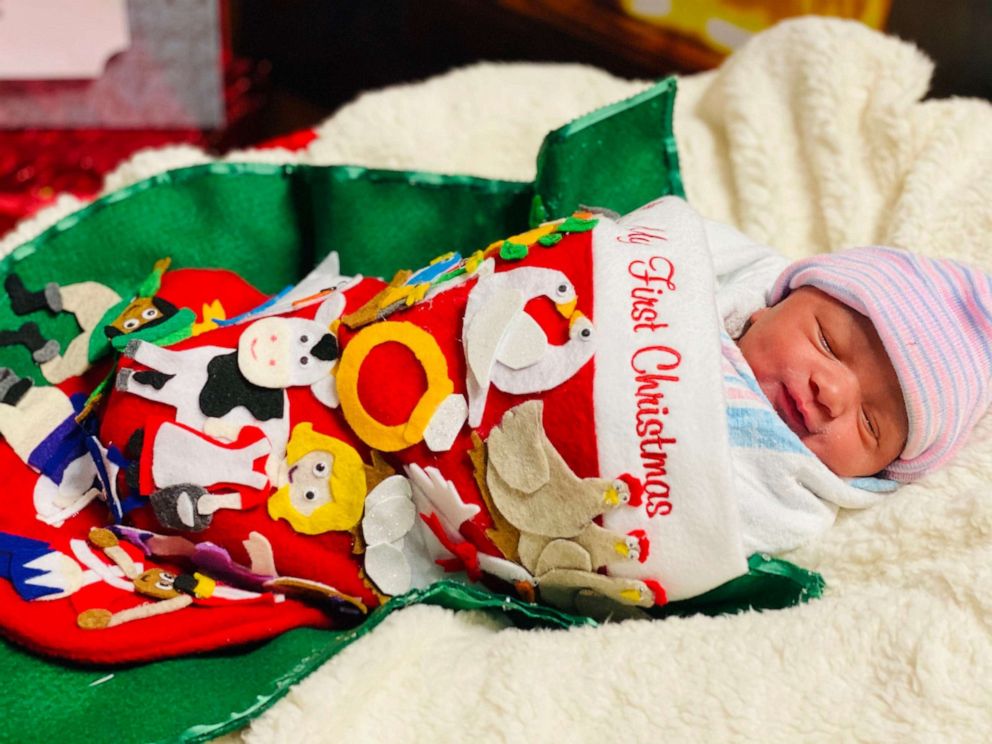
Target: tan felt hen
533,486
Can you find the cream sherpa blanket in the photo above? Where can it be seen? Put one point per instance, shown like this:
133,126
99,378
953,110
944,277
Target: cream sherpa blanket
811,138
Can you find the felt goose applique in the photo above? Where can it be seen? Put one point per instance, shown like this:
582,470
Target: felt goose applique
506,347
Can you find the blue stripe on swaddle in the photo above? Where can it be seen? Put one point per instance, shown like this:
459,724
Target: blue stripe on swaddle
751,420
762,429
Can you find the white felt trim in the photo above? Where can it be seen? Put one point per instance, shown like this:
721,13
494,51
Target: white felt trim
658,395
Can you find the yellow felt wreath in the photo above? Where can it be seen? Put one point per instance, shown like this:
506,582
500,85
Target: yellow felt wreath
386,437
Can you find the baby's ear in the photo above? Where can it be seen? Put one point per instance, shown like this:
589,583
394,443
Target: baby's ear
755,318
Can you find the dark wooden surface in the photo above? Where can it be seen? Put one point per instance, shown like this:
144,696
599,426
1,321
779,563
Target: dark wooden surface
323,53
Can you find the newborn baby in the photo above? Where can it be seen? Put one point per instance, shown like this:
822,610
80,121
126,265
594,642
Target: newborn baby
824,368
876,359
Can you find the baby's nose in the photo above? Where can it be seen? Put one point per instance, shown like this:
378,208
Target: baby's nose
834,388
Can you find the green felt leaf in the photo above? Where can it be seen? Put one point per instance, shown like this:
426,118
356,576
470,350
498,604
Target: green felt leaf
577,224
512,251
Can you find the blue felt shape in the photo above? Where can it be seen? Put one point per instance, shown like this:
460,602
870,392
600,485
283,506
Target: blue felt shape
15,553
433,271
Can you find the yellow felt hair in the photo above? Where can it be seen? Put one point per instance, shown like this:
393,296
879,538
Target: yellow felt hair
346,484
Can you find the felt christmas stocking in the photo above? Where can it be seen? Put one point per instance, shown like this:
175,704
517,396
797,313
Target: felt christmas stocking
530,415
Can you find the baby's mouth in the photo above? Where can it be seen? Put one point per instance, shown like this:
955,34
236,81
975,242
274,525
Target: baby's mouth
788,409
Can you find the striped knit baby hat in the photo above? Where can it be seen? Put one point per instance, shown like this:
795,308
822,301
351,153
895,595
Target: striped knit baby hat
934,317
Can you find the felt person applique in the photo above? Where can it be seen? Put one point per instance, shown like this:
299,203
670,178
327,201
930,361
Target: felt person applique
504,346
260,576
178,465
172,591
102,316
321,485
40,426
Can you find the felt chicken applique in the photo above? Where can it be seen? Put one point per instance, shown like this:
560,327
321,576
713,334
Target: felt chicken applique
535,491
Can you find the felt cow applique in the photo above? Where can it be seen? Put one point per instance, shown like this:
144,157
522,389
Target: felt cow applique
246,384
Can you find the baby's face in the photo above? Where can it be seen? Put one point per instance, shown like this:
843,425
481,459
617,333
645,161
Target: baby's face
825,370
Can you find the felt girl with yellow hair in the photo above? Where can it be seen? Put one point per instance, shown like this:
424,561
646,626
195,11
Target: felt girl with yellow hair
322,484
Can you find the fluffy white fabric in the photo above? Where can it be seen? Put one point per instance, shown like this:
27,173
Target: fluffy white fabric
810,138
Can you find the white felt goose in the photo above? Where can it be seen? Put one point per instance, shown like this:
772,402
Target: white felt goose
506,347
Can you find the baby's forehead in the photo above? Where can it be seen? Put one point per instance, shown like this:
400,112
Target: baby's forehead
845,326
807,299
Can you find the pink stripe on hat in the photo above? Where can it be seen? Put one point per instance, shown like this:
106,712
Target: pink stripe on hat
934,317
